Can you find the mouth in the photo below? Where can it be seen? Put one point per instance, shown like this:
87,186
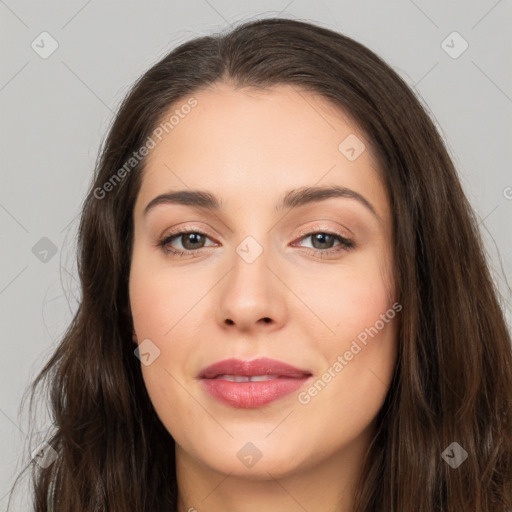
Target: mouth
262,369
250,384
245,378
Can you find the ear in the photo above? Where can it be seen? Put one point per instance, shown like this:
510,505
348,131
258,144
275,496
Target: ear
134,338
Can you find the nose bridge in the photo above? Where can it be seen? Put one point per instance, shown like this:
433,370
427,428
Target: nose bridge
251,290
252,235
252,247
251,260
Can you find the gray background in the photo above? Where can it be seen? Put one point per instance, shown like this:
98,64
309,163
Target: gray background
55,112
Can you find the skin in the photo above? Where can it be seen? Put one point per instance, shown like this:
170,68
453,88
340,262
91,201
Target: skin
248,148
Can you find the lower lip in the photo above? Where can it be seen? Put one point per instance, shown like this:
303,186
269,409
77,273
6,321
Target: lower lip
252,394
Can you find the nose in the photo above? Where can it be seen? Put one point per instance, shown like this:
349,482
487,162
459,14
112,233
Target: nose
252,295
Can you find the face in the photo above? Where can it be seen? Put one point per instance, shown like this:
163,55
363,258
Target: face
303,279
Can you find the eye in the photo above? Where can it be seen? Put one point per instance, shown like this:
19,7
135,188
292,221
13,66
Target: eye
323,241
191,241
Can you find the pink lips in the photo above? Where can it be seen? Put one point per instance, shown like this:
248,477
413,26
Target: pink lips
285,379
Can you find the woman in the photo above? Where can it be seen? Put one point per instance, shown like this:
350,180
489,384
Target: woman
369,370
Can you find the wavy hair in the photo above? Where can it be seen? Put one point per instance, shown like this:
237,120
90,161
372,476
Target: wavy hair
453,377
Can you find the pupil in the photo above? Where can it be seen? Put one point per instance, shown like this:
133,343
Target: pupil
319,236
190,238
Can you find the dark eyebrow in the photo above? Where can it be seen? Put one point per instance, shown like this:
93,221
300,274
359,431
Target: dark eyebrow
196,198
306,195
291,199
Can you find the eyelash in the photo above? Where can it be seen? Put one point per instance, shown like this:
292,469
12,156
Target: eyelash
345,243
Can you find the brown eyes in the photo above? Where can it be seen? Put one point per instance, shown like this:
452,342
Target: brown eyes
193,241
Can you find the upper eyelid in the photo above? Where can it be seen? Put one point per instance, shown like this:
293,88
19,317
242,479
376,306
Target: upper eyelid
193,229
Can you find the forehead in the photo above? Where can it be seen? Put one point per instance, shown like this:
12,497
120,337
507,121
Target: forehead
243,142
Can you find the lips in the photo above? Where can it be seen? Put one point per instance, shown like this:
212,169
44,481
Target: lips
256,367
249,384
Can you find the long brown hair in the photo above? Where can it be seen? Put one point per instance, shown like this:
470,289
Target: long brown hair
453,378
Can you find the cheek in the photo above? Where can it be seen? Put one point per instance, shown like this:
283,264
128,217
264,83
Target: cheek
346,300
360,355
158,298
157,309
152,308
350,389
162,306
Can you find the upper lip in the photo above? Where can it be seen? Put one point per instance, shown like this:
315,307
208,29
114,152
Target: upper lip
261,366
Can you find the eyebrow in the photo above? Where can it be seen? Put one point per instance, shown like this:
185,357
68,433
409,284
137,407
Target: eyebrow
291,199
